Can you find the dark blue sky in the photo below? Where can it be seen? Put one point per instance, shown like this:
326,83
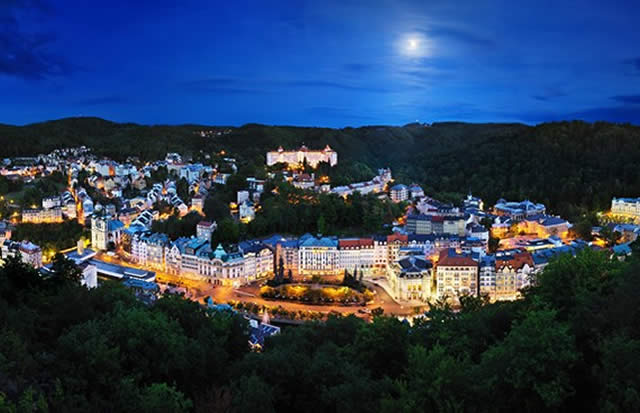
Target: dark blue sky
320,62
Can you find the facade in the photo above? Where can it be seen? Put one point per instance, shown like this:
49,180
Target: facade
304,181
105,232
376,185
246,211
148,249
399,193
422,224
456,274
242,196
544,226
487,275
286,251
298,157
513,272
205,229
415,191
629,207
380,253
197,203
394,243
42,216
473,202
518,210
29,253
318,256
410,279
51,202
258,260
222,267
357,253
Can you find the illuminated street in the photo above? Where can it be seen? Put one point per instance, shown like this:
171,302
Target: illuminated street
200,290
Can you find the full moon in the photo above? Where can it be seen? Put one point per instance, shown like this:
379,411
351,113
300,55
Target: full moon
414,45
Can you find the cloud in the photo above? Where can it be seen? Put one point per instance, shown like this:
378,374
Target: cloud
458,35
621,114
222,86
104,100
338,113
461,36
549,94
617,114
27,55
627,99
254,86
332,85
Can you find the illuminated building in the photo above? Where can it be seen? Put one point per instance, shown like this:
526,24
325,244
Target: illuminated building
399,193
29,253
629,207
312,157
410,279
205,229
318,256
456,274
415,191
246,211
513,271
42,216
105,232
197,203
357,253
518,210
374,186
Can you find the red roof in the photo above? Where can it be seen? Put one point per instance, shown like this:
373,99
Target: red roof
353,243
205,224
447,260
397,237
518,261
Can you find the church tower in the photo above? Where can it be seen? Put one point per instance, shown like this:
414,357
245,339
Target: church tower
99,237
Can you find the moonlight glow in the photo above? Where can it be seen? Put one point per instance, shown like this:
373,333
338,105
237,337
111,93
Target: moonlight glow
414,45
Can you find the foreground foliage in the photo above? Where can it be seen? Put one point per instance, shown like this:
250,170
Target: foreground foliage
572,344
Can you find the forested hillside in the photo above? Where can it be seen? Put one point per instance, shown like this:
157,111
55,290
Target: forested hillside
570,166
572,344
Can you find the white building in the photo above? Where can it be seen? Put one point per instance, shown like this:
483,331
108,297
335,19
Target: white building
410,279
51,202
313,158
357,253
247,211
456,274
374,186
318,256
205,229
399,193
105,233
629,207
29,253
242,196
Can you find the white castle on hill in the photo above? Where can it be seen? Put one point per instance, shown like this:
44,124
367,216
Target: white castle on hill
299,156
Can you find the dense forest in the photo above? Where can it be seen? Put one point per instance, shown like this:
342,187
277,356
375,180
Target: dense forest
573,167
572,344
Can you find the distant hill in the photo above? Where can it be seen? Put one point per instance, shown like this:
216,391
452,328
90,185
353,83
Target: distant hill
572,166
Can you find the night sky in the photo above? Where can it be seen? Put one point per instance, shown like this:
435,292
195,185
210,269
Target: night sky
321,62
